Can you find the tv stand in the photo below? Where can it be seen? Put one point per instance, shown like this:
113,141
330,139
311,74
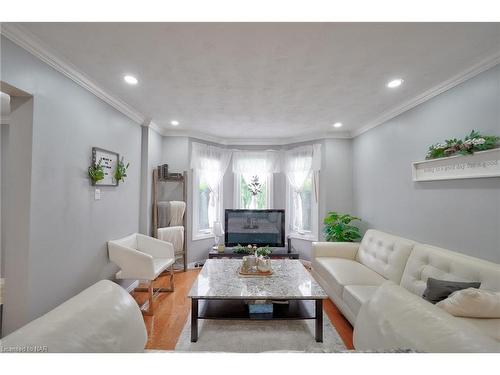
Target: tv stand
280,253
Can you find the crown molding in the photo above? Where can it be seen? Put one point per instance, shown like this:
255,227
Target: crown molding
156,128
33,45
465,75
253,141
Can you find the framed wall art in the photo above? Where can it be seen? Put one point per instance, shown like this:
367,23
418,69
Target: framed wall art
108,160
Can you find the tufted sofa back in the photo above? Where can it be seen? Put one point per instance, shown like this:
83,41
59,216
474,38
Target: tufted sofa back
428,261
384,253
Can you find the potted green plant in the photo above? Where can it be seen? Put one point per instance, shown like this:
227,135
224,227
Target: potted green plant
338,229
473,142
96,172
263,251
121,171
242,249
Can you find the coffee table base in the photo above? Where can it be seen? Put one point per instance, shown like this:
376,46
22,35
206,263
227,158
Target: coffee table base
236,309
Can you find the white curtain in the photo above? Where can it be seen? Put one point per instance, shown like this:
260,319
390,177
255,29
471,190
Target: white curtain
299,164
211,163
256,163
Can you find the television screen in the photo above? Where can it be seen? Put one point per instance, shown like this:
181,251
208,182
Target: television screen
255,227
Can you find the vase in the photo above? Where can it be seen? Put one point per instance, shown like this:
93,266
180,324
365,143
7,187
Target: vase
264,264
253,202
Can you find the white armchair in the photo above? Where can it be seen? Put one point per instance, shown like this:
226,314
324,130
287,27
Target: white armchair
142,257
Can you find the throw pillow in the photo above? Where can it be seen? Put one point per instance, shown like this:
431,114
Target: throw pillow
472,303
438,290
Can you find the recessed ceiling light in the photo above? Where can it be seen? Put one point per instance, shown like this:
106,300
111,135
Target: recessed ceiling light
395,83
174,123
131,80
337,125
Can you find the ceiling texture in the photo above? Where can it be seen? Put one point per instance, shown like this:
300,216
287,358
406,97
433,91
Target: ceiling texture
273,81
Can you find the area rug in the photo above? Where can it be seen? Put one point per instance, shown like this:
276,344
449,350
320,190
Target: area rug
244,336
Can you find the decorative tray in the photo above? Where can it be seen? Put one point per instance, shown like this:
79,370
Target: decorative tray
243,273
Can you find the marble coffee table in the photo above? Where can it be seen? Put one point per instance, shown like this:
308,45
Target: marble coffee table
220,293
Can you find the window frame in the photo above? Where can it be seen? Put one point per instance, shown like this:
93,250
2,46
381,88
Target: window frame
202,234
237,191
313,234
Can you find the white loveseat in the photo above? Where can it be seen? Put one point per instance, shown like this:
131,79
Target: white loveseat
378,284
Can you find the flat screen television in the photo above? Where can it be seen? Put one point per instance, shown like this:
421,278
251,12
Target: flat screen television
255,227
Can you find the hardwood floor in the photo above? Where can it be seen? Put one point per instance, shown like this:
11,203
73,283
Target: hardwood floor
172,311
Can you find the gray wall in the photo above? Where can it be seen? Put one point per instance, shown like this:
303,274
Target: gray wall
16,196
151,157
462,215
68,229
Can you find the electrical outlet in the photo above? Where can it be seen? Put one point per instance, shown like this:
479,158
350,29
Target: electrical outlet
97,194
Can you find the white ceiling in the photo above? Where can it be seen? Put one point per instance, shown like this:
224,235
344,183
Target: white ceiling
269,80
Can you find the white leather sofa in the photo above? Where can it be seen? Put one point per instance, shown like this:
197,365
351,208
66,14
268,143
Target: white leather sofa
377,284
103,318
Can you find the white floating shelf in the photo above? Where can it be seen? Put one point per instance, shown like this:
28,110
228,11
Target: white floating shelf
478,165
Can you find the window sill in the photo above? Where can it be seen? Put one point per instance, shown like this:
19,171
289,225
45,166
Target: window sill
303,236
202,236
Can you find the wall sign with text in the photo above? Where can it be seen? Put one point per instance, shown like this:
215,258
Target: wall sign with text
478,165
109,161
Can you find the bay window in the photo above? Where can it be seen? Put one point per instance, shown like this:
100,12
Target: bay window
253,177
301,166
253,191
207,207
209,164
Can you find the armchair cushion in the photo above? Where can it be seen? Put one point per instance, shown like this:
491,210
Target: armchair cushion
154,247
133,263
140,257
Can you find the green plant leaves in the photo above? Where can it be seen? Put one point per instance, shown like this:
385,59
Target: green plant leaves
338,229
121,170
242,249
96,172
471,143
263,251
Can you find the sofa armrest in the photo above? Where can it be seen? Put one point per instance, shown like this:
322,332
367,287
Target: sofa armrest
395,318
346,250
103,318
155,247
133,263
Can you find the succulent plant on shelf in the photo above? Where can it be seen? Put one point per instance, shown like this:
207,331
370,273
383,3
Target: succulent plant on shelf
470,144
252,250
238,249
263,251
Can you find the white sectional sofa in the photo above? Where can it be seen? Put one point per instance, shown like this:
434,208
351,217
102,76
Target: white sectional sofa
378,284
